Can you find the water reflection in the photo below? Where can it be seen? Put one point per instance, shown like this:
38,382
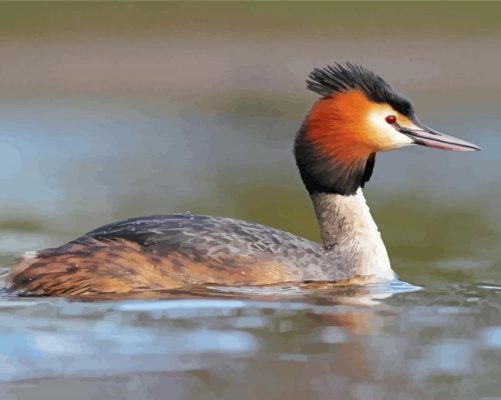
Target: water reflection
117,113
294,342
277,343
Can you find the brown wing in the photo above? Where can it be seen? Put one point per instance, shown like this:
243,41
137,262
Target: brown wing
164,252
89,266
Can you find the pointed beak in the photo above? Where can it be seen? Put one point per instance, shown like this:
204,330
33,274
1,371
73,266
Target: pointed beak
425,136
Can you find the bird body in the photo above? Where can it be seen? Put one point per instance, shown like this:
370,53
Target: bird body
358,115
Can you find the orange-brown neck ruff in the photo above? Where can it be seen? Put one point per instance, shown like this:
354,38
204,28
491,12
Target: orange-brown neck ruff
334,152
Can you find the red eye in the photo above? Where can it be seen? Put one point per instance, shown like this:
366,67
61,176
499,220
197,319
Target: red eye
391,119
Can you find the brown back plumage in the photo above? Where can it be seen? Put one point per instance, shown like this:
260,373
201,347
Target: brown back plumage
90,267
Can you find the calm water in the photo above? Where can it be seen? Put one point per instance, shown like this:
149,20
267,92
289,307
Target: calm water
110,111
441,341
282,343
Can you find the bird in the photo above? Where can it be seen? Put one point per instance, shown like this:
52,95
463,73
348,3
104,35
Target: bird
356,114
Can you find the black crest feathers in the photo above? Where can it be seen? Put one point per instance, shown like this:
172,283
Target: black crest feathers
342,78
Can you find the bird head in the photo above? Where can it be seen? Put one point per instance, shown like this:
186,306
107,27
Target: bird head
358,115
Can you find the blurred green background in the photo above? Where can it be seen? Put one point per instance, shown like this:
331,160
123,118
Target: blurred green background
112,110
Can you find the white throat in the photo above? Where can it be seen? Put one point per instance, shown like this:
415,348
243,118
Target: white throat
351,236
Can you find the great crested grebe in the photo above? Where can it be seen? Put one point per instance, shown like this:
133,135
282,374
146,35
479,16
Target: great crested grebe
357,115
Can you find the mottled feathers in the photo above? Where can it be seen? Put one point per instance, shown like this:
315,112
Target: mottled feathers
170,251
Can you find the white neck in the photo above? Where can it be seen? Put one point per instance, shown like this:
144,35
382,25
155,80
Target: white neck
351,236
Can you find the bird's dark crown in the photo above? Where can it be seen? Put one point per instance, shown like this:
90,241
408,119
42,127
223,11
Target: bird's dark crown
343,78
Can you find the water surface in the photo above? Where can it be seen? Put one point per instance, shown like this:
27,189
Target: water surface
352,343
443,341
111,111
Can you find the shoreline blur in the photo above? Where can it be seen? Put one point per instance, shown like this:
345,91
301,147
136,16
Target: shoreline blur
116,110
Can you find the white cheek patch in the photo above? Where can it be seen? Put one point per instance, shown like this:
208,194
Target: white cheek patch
386,134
